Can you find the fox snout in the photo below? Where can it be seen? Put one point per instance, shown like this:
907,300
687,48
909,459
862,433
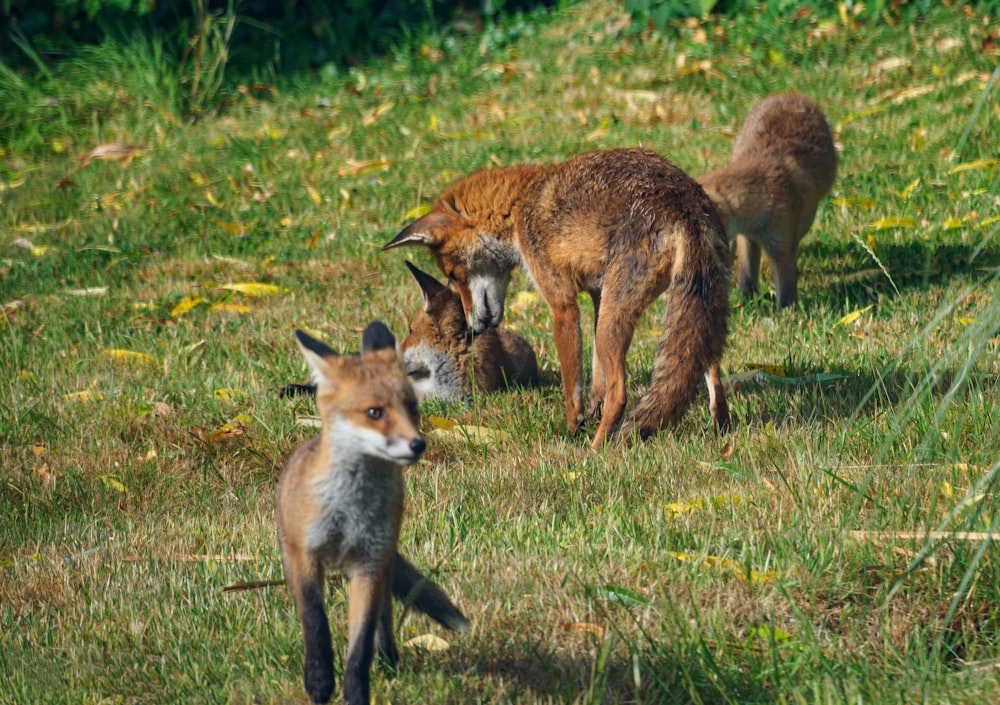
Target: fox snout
406,451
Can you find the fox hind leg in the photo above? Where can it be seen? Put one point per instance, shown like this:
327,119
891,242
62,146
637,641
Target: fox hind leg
597,384
365,610
748,252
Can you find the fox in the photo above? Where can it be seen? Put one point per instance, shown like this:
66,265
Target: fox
623,225
340,507
784,162
444,361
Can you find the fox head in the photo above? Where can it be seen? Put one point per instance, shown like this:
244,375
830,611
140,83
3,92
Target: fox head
365,400
438,334
469,231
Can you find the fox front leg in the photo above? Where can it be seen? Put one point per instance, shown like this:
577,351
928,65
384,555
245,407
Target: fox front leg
307,591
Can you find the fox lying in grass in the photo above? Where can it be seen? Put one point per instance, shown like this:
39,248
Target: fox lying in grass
340,506
623,225
444,361
783,163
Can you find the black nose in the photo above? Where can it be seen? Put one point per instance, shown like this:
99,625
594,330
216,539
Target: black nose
418,445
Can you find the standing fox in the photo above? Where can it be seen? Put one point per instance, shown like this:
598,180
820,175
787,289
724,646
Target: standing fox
441,360
340,505
783,163
623,225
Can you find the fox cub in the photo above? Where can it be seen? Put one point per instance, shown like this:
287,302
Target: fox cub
783,163
340,504
623,225
444,360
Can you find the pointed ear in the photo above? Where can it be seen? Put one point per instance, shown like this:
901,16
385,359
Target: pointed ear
422,231
317,357
429,286
377,337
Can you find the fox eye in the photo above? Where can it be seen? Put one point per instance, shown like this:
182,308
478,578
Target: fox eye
374,412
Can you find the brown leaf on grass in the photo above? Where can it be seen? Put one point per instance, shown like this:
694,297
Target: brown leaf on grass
7,311
112,151
47,475
375,113
585,627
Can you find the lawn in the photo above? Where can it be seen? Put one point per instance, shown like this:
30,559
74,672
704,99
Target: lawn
835,547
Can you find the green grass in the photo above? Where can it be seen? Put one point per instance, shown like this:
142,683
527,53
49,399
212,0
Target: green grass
687,569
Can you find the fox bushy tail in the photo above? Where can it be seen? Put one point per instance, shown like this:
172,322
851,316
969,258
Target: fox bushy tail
414,588
694,335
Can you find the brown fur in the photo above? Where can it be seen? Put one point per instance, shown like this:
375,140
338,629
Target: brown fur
495,359
783,163
623,225
340,506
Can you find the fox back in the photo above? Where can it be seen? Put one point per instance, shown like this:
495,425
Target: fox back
622,225
444,361
783,163
340,506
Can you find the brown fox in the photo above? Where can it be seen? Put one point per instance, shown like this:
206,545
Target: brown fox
623,225
444,361
783,163
340,505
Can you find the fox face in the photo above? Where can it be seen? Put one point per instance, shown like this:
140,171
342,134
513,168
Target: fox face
472,246
438,334
365,401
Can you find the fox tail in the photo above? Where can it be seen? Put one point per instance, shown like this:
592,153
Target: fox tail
690,349
414,588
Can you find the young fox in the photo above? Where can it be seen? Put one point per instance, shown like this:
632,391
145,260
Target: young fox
340,504
623,225
441,360
783,163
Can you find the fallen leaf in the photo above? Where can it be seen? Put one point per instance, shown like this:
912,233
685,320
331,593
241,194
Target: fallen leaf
112,483
233,308
675,509
254,288
416,212
897,222
121,153
854,315
428,642
185,305
588,627
353,168
89,291
314,194
375,113
989,163
448,429
129,356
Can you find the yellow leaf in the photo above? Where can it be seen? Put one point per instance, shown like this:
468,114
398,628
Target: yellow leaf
978,164
450,430
314,194
863,203
853,316
908,191
417,211
675,509
185,305
428,642
254,289
947,489
432,123
38,449
234,228
58,145
11,185
897,222
965,321
863,113
112,483
314,240
84,395
226,393
234,308
286,221
951,223
909,93
129,356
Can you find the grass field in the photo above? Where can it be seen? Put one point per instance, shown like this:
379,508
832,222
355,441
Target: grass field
834,548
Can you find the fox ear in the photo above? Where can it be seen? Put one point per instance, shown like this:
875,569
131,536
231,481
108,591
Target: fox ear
377,337
317,356
422,231
429,286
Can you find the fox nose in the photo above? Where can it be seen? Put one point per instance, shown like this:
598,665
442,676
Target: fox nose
418,445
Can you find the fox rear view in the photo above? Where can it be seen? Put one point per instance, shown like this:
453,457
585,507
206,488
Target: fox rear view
783,163
340,506
444,360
